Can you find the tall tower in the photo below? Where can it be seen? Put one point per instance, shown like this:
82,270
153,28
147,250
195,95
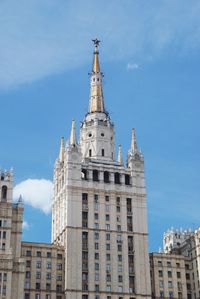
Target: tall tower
99,208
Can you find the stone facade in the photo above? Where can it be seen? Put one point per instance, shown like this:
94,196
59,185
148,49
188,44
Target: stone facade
99,209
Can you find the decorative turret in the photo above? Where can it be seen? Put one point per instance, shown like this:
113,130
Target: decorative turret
73,134
120,158
62,150
96,91
133,142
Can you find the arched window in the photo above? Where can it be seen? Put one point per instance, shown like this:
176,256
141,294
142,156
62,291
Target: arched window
95,175
106,177
117,178
4,193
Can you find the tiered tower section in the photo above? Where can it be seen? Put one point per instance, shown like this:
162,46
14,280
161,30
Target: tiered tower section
99,208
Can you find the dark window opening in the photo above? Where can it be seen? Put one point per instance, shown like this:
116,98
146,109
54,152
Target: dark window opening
95,175
84,175
106,177
4,192
103,152
90,153
117,178
127,179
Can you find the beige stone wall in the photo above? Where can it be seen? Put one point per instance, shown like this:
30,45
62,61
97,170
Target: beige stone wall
44,271
168,276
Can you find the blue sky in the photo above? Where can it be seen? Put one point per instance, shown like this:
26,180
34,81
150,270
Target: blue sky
150,58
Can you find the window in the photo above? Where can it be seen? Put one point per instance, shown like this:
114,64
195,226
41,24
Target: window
107,257
171,295
48,265
108,277
26,296
5,277
96,288
48,255
28,264
169,274
108,289
90,153
107,226
119,247
96,246
59,277
159,263
28,274
107,246
96,266
37,296
48,286
120,278
95,175
107,217
117,178
160,273
4,193
37,286
48,275
48,296
38,275
127,179
170,284
96,225
107,237
96,216
107,208
103,152
119,268
4,235
58,288
161,294
28,253
119,257
96,276
106,176
120,289
59,266
161,283
107,198
178,274
38,265
38,253
59,256
169,264
108,267
96,236
96,256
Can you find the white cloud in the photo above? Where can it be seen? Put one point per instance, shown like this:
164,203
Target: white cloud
25,225
44,37
132,66
37,193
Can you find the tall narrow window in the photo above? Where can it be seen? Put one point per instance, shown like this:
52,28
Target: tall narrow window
106,177
95,175
103,152
90,153
117,178
4,193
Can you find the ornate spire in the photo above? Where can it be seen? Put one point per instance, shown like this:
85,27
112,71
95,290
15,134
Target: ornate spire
120,159
62,150
73,134
96,91
96,66
133,142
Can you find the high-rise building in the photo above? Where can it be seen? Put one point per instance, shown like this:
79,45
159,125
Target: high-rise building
99,209
99,246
